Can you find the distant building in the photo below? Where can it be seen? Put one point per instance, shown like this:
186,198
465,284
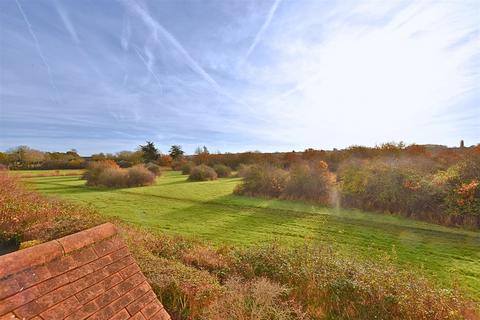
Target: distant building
462,144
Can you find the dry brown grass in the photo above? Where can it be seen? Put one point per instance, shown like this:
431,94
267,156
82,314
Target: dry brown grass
22,209
259,299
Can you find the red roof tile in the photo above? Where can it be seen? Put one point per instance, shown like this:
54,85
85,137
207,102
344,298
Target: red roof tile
87,275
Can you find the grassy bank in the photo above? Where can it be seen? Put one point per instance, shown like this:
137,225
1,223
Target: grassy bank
208,210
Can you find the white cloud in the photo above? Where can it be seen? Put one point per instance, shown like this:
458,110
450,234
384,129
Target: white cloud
374,82
327,74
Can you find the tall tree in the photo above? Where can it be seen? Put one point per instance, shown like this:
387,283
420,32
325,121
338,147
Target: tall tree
176,152
202,150
150,152
201,155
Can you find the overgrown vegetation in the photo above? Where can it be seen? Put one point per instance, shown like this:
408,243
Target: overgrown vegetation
410,185
243,170
187,167
307,181
412,188
222,170
197,281
202,173
153,168
109,175
23,157
22,209
263,180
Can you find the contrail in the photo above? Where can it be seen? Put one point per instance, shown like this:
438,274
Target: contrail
264,27
300,86
126,33
39,48
67,22
147,65
69,26
157,27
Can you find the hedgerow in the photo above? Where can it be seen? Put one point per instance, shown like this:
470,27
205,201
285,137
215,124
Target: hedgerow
414,188
306,181
450,197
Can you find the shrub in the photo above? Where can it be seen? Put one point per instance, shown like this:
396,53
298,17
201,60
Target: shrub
124,163
63,164
243,169
112,178
153,168
184,290
108,174
164,160
187,167
222,170
139,176
95,168
310,182
332,286
202,173
461,190
259,299
449,197
389,186
178,163
263,180
22,209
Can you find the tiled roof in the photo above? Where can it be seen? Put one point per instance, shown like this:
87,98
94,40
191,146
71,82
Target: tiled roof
87,275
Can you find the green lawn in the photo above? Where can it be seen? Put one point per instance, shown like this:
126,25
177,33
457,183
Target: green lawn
208,210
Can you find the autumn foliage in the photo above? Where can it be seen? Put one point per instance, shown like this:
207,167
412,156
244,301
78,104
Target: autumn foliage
271,281
202,173
450,197
108,174
21,208
442,186
309,181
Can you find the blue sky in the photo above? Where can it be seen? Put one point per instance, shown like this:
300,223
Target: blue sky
238,75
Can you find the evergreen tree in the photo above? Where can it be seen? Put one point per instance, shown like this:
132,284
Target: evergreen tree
176,152
150,152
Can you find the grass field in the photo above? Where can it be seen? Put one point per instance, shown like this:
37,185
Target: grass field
47,173
208,210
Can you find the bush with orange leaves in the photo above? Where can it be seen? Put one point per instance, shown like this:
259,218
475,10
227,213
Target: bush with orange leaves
96,168
461,184
108,174
310,181
22,209
410,188
389,186
264,181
